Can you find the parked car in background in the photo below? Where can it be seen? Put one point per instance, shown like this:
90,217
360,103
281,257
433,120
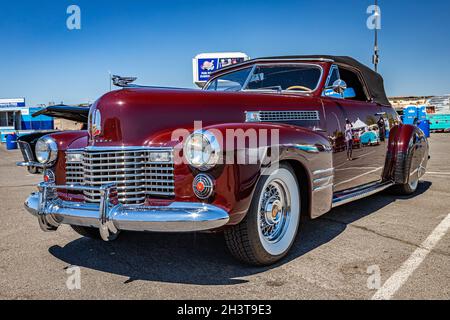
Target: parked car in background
27,143
146,164
369,138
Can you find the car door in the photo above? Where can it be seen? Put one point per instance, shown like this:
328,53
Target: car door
369,144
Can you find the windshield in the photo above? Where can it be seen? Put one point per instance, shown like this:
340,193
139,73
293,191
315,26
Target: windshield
298,77
233,81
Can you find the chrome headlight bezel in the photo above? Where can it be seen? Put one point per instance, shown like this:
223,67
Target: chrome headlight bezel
202,150
46,150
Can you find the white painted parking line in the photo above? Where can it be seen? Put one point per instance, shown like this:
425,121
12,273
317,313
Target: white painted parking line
395,282
439,173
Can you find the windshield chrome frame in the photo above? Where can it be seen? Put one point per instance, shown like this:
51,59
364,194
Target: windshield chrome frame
284,63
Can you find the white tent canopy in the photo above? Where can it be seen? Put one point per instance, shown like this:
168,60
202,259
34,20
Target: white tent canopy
358,124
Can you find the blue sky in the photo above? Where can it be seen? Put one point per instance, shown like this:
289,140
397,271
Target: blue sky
41,60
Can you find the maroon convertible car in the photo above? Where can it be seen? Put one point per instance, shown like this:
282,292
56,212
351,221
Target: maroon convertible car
262,146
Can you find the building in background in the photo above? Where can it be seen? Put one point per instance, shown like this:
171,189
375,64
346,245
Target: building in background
436,110
400,103
441,104
440,117
16,117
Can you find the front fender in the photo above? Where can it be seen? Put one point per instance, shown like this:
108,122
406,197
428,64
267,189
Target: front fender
309,153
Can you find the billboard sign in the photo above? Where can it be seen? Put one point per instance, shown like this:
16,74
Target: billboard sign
206,63
206,67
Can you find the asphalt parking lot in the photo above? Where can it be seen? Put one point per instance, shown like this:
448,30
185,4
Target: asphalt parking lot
334,257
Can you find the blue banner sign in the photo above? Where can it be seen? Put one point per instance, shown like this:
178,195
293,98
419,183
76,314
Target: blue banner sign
206,67
12,103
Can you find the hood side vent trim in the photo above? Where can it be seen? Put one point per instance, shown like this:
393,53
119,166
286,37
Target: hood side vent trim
281,116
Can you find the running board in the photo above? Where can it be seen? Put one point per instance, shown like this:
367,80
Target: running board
359,193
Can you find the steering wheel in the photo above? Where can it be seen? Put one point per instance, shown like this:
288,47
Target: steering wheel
299,88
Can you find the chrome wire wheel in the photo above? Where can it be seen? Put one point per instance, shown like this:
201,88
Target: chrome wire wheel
274,214
278,213
270,227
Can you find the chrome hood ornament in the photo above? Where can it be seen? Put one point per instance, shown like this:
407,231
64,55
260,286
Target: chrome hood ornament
119,81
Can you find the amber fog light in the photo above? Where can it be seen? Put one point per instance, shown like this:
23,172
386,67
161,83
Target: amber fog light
203,186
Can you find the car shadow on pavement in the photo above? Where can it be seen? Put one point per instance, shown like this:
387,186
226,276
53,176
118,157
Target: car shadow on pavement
319,231
202,258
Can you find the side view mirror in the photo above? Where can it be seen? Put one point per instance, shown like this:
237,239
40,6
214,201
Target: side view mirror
339,86
339,90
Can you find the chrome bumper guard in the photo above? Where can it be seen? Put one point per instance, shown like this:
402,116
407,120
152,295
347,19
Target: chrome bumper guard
30,164
110,219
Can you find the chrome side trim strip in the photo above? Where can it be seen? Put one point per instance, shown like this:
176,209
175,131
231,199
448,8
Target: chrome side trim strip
319,180
318,148
326,186
358,194
324,171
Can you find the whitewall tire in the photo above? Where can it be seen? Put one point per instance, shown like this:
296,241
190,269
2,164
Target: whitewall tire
268,231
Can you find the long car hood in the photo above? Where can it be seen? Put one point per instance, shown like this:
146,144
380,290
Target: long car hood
147,116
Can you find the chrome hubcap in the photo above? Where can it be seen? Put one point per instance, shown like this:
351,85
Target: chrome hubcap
274,211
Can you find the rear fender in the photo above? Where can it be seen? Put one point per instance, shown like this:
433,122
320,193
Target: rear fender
408,148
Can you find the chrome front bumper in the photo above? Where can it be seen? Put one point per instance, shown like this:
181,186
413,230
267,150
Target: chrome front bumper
110,219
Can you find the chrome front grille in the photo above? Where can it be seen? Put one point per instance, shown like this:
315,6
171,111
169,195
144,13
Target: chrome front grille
132,170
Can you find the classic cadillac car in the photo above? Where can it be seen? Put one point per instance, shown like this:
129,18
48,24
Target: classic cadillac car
147,164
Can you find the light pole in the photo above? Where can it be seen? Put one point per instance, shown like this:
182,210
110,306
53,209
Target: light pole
376,57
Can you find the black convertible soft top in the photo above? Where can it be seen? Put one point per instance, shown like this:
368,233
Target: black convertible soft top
373,79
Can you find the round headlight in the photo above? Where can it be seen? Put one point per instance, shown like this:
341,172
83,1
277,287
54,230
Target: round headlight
202,150
46,150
